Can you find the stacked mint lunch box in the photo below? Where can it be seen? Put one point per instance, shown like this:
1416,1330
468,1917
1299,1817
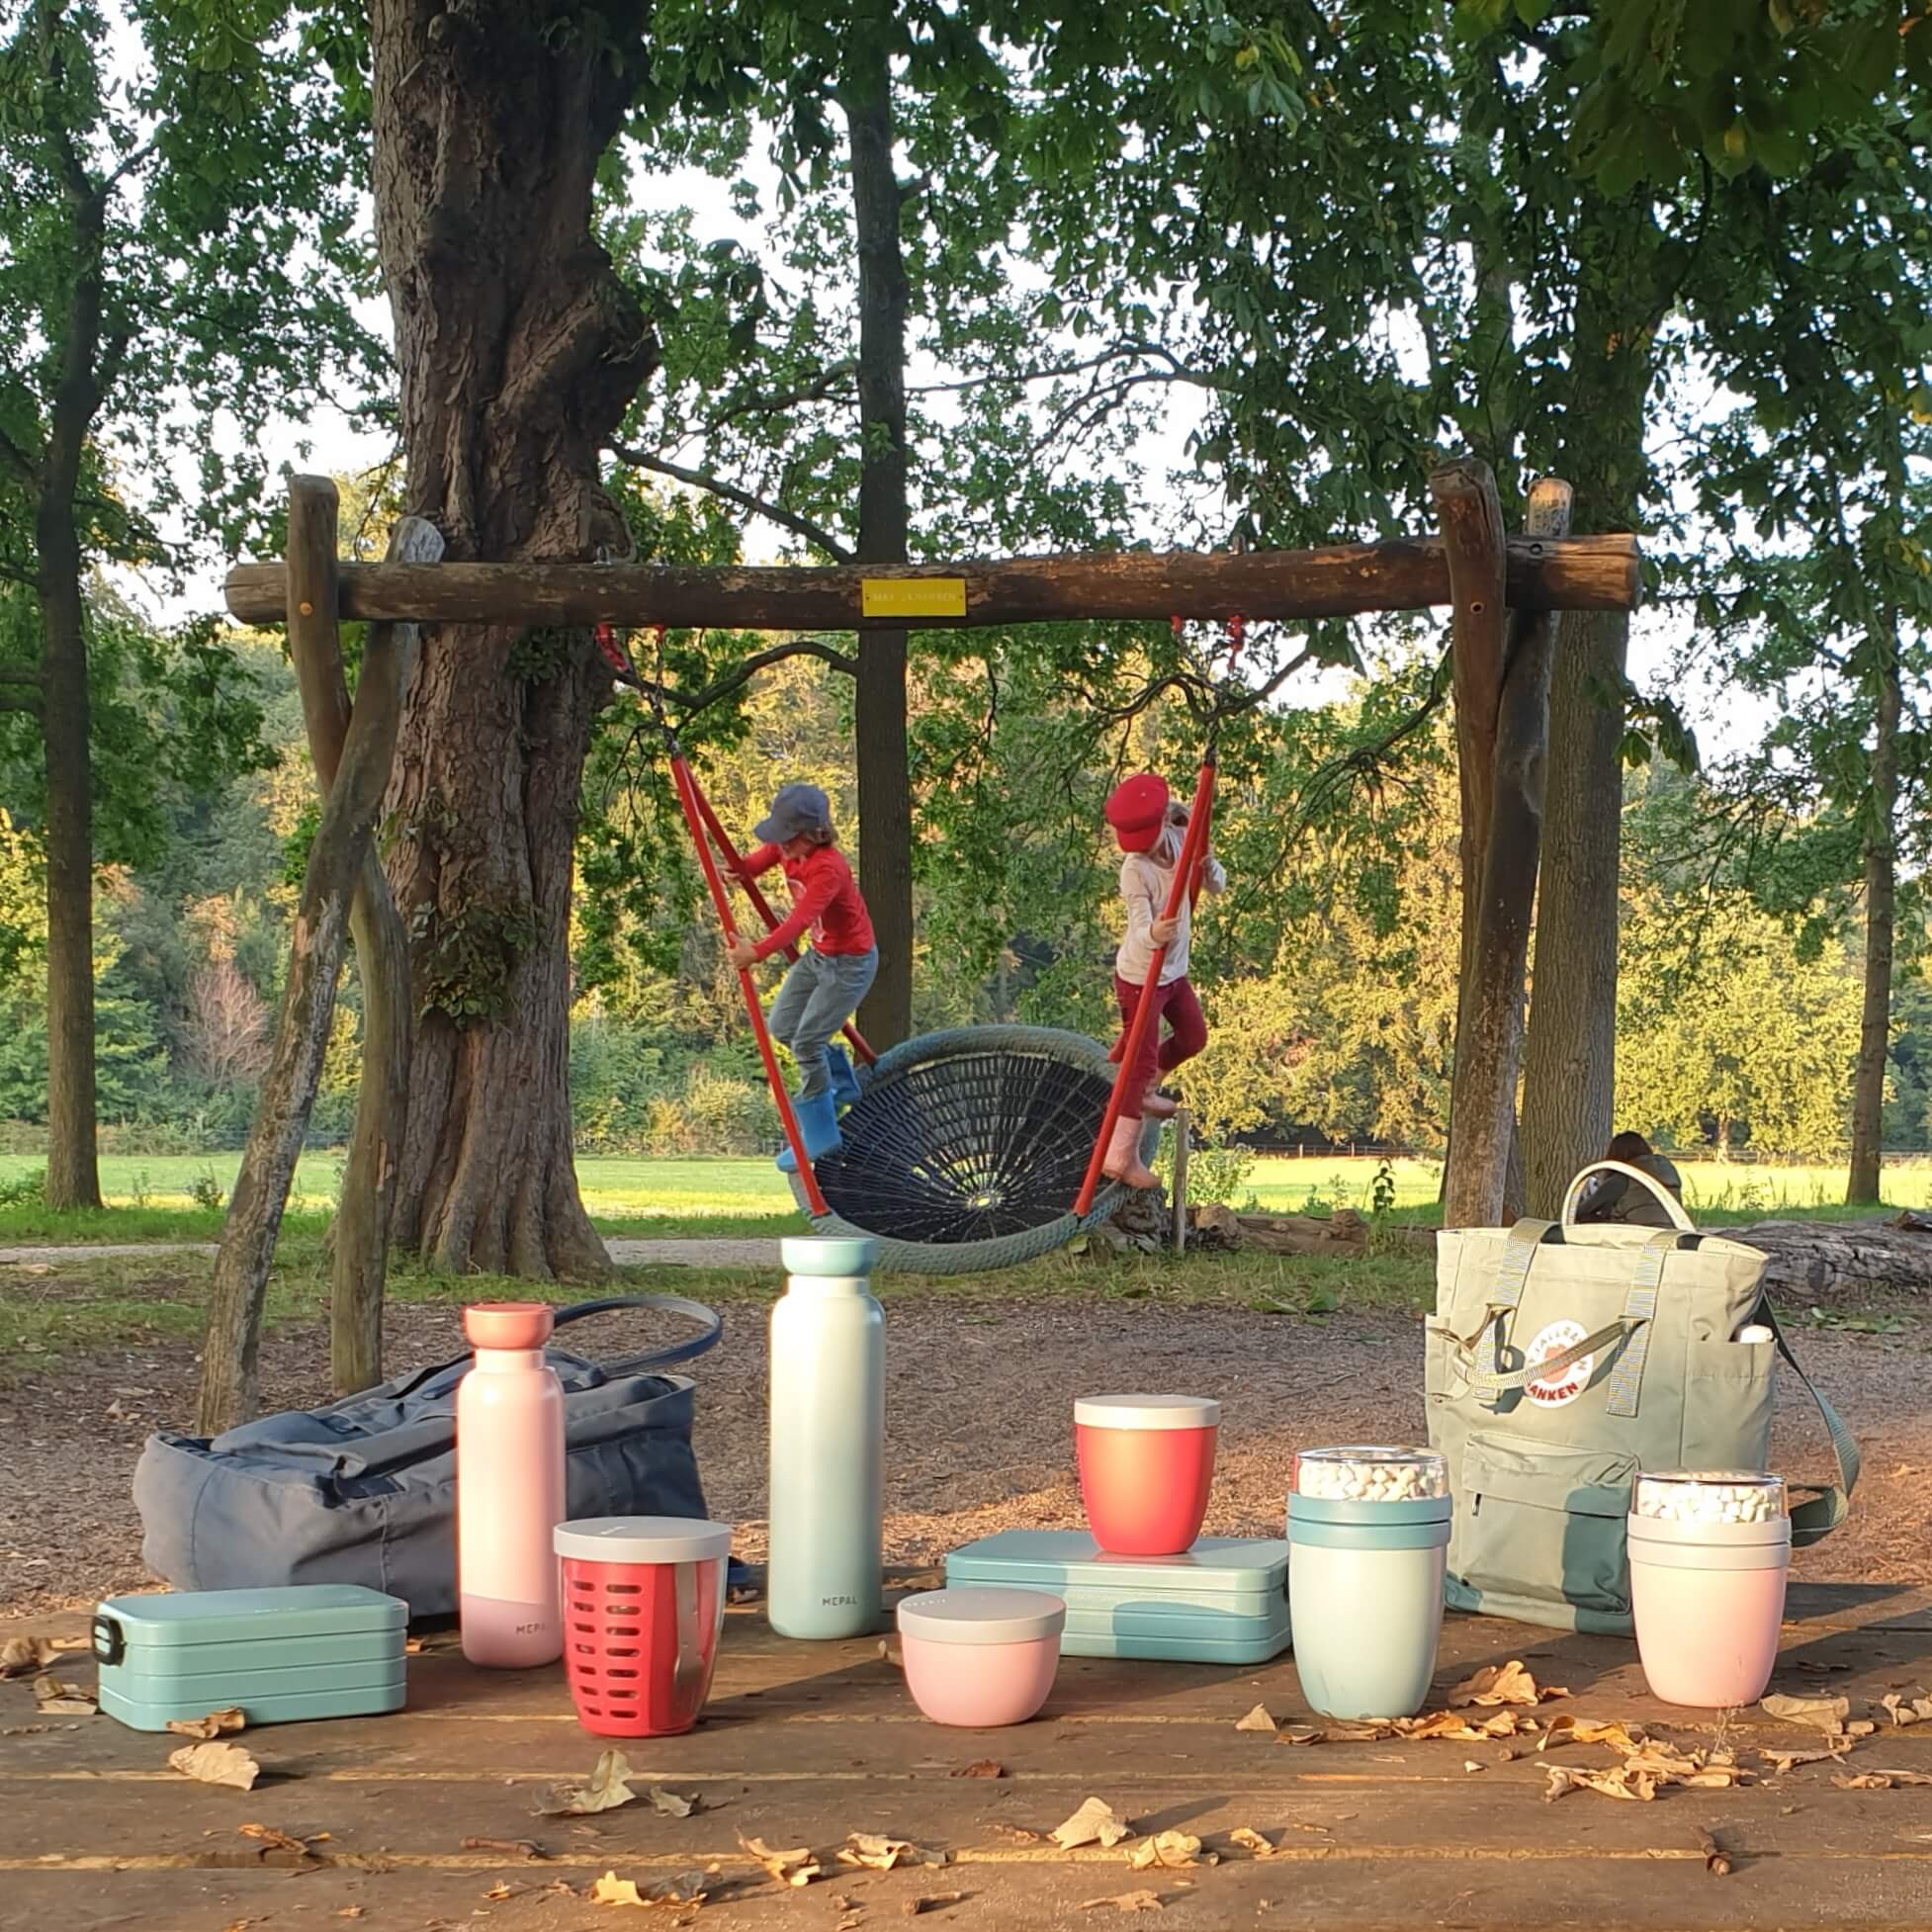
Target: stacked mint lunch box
1222,1602
307,1651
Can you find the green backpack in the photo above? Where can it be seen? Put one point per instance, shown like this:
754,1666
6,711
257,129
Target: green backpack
1562,1358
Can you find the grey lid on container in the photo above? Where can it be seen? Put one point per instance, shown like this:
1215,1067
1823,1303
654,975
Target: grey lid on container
642,1539
982,1614
225,1616
1146,1412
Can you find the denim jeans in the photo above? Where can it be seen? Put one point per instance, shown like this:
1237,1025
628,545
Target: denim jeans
820,994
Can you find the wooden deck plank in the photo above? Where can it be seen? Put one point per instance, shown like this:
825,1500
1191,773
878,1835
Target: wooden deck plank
804,1744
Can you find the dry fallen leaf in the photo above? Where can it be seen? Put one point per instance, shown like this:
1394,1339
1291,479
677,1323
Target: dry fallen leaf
20,1654
1166,1850
217,1764
789,1868
213,1725
59,1700
608,1788
980,1768
889,1654
1784,1761
1251,1840
1917,1711
933,1902
1620,1783
610,1890
671,1804
1258,1719
1584,1730
879,1854
1716,1859
1095,1822
351,1912
1823,1714
516,1847
1509,1682
273,1839
1125,1902
1880,1781
503,1889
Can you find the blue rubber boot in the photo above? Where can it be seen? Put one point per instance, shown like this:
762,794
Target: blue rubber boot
817,1126
844,1082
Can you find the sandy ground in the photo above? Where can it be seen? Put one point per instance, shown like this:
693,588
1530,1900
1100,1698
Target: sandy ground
979,1424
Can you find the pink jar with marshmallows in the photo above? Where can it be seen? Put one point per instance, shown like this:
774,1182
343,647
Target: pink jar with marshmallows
1146,1468
981,1656
1710,1555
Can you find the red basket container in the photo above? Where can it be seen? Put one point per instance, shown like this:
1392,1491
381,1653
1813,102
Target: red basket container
643,1602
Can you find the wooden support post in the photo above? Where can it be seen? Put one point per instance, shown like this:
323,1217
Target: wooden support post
1340,581
230,1385
1489,1027
1181,1138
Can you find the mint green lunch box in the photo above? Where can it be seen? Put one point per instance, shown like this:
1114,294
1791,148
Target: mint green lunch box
306,1650
1223,1602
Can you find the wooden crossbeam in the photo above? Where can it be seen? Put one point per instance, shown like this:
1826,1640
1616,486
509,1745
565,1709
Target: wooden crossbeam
1344,580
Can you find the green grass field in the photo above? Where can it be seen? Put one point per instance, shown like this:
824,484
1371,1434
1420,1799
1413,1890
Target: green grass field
152,1198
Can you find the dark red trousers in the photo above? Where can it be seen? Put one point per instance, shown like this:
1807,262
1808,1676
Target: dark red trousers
1187,1035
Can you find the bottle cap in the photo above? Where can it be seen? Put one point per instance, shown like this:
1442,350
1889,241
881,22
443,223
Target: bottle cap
509,1324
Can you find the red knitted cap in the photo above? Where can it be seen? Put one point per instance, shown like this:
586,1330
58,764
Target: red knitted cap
1138,809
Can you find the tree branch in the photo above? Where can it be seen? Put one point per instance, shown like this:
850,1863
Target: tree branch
690,704
800,526
820,386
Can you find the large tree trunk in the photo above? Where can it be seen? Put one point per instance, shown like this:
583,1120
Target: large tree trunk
885,799
1881,894
1569,1063
519,351
73,1176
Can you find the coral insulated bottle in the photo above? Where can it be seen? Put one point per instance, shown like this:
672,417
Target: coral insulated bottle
827,1444
509,1487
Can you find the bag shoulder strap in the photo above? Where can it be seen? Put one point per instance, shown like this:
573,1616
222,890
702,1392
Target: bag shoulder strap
711,1327
1830,1503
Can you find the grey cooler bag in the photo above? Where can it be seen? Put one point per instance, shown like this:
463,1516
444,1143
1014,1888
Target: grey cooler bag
1562,1358
364,1491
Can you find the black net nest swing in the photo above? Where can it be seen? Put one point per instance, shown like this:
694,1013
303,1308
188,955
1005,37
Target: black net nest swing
965,1147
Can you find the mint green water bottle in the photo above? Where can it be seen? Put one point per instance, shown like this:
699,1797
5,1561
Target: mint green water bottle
827,1509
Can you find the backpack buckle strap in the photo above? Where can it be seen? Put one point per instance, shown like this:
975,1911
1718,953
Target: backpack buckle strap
1625,1386
1506,1282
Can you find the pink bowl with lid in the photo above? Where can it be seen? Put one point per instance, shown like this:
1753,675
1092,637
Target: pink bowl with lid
1146,1468
981,1656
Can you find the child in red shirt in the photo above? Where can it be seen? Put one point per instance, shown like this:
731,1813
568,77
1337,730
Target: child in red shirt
1150,827
831,975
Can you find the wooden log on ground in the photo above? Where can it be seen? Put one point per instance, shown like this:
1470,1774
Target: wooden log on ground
231,1385
1342,581
1827,1260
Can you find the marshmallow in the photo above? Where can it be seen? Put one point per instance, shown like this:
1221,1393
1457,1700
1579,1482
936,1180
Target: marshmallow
1370,1476
1723,1496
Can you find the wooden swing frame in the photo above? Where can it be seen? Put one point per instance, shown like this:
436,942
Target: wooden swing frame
1501,591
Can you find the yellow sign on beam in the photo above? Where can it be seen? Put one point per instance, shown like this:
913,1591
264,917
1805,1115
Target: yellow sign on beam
911,596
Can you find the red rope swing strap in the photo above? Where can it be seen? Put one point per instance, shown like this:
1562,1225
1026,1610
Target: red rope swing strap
1192,847
696,809
689,797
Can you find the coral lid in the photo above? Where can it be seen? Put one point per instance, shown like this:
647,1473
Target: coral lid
982,1614
509,1324
1147,1412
